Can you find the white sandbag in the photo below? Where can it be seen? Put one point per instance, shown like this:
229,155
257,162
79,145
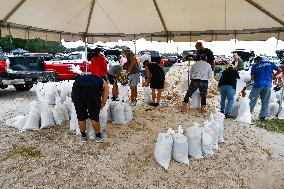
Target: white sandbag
62,108
163,149
219,118
239,87
69,104
46,118
216,128
73,121
180,148
123,92
196,100
128,112
273,109
32,122
36,107
109,114
244,114
17,122
273,97
103,117
89,129
194,141
49,98
58,115
148,95
40,92
245,76
281,113
235,109
117,111
207,141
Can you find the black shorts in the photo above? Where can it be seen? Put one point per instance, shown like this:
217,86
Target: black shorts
112,79
157,82
87,102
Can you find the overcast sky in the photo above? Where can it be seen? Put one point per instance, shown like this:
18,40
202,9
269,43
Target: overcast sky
218,47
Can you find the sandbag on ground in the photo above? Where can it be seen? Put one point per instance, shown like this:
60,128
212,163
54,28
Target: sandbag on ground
194,141
163,150
180,147
32,122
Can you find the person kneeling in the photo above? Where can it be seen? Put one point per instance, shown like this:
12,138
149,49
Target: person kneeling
89,94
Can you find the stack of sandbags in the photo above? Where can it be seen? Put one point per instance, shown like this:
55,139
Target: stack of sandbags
120,112
196,143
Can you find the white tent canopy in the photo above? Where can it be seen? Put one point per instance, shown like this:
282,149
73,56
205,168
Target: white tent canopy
159,20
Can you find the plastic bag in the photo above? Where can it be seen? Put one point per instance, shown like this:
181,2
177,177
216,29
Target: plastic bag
219,118
32,122
36,107
73,121
148,95
194,141
216,128
180,148
207,140
196,99
103,117
49,99
62,108
47,119
117,111
239,87
273,109
163,149
235,109
281,113
58,115
123,93
244,114
128,112
17,122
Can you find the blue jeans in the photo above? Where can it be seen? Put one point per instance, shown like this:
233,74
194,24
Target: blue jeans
264,94
227,93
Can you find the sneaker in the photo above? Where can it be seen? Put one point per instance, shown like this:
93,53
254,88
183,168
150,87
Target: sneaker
227,116
100,139
83,139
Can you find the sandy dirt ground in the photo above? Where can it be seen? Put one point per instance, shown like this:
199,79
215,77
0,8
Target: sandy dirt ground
250,157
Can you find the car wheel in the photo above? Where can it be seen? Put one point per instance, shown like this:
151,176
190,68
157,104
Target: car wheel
23,87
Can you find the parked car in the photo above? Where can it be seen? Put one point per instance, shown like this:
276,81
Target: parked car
155,55
280,55
23,71
189,53
246,55
62,67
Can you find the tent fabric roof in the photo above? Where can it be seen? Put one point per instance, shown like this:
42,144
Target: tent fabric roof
162,20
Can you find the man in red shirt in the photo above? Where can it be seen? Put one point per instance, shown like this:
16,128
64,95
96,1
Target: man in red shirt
98,65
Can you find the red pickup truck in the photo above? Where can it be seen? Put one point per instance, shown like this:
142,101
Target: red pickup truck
62,67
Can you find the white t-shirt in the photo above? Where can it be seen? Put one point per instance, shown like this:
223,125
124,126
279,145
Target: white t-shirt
201,70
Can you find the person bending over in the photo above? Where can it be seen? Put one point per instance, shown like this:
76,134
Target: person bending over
89,94
156,79
200,73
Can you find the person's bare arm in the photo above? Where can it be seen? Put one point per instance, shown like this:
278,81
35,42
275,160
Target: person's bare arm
104,94
132,62
278,71
148,74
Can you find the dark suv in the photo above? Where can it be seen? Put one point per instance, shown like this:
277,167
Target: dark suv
280,54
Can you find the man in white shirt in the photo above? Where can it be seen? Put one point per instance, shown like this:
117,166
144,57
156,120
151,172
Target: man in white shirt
200,73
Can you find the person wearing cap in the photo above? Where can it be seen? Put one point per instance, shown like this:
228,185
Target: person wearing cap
133,71
200,73
156,79
262,74
209,54
144,57
98,65
227,88
237,62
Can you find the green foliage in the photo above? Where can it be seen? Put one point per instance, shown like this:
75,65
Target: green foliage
25,151
274,125
33,45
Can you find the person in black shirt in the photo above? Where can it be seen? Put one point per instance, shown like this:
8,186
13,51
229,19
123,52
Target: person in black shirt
89,94
209,54
227,88
156,79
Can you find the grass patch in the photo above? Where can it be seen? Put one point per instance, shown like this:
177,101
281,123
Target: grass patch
25,151
274,125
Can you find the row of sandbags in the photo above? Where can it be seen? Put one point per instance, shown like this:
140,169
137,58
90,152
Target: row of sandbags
117,112
198,141
42,116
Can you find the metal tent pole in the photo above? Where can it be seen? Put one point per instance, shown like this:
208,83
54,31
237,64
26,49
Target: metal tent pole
86,55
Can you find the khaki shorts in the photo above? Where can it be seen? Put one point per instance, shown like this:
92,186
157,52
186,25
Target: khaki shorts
134,79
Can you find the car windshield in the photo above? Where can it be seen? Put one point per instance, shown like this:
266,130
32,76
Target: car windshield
2,56
74,57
